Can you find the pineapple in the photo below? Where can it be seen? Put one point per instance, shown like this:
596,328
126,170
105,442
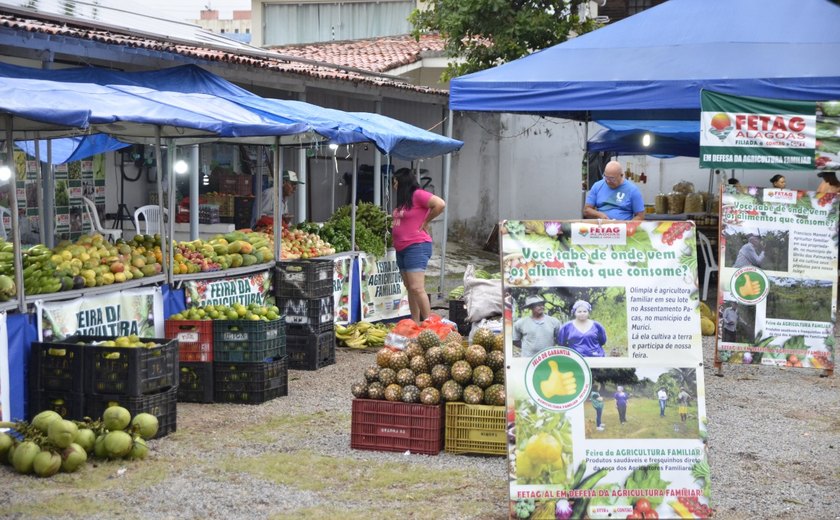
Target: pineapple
498,343
410,394
453,336
484,337
434,356
393,392
495,395
413,349
473,394
399,360
461,372
440,374
383,357
419,365
495,359
451,391
430,395
475,355
376,390
428,339
387,376
359,390
405,377
453,352
499,376
423,381
483,376
372,373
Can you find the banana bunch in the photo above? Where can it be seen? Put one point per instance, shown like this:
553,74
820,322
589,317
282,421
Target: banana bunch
361,335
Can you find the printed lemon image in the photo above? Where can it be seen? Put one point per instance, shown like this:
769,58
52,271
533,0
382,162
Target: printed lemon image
543,452
558,383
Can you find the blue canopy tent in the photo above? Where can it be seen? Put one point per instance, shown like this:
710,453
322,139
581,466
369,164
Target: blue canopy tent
669,138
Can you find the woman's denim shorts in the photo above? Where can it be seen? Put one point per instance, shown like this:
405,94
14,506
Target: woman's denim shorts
414,258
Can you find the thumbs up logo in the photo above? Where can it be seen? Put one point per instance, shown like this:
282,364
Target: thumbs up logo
749,285
558,379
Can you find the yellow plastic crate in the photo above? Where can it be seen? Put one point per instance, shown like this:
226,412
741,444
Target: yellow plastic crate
475,428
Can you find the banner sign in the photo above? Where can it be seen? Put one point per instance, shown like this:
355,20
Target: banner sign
778,277
121,313
768,134
604,370
383,294
342,285
252,288
5,388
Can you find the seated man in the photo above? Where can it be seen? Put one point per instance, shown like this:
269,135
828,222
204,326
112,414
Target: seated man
614,198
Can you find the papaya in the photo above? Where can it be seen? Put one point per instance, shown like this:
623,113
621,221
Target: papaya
245,247
259,256
236,260
248,260
234,247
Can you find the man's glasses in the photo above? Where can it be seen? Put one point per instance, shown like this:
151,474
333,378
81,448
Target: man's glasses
612,179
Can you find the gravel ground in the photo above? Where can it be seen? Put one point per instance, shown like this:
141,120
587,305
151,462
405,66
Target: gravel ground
774,454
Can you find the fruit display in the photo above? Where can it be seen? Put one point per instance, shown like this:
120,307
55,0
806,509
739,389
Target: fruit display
373,227
50,444
252,312
362,335
234,249
433,369
8,289
301,244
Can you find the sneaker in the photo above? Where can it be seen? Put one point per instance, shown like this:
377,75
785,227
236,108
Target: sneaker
600,428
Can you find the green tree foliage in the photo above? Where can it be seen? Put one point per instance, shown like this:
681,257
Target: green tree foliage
615,376
484,33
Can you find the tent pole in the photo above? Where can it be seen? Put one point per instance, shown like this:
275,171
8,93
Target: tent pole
447,165
18,259
194,189
377,165
40,186
587,183
48,213
275,195
161,205
353,204
170,228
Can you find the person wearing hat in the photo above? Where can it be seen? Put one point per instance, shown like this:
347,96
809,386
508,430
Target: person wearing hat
751,253
290,182
536,332
829,183
584,335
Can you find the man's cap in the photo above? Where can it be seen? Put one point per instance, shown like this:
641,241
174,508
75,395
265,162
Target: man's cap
290,176
533,300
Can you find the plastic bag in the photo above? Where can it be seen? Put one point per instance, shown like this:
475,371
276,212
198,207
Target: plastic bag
482,298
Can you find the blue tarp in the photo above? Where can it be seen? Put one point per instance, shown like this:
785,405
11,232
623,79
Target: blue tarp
71,149
670,138
654,64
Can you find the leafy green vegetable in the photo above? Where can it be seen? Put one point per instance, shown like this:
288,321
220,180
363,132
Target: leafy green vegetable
647,477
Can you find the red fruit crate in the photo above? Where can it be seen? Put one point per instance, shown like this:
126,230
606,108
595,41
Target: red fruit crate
57,367
234,184
250,383
476,428
393,426
245,341
308,316
163,405
69,405
312,351
128,370
306,279
195,339
196,382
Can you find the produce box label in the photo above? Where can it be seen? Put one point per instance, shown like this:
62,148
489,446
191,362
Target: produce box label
121,313
383,294
252,288
5,388
768,134
342,284
606,403
778,277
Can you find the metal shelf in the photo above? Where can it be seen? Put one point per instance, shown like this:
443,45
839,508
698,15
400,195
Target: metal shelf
224,273
102,289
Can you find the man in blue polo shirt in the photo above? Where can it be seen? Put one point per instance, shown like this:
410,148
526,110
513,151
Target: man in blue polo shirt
614,198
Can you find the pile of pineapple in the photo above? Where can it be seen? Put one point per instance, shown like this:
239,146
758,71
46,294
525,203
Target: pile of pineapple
430,370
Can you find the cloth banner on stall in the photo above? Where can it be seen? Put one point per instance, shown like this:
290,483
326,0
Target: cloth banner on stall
383,294
778,277
252,288
768,134
5,381
122,313
342,284
590,436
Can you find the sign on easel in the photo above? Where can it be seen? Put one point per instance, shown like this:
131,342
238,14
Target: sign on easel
778,278
604,373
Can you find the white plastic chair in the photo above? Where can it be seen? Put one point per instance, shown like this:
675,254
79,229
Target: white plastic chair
709,259
93,215
3,212
151,222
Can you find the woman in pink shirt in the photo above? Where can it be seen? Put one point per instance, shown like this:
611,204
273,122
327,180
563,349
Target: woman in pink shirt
414,211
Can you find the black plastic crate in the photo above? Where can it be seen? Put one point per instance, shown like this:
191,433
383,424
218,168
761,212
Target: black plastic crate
458,315
163,405
308,279
311,352
245,341
69,405
243,211
128,370
308,316
56,366
250,383
196,382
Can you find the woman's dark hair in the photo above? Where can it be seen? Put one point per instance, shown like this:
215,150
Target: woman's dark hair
406,186
776,178
733,181
830,178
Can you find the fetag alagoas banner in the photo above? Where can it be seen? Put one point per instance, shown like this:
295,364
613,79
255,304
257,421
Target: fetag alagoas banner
605,387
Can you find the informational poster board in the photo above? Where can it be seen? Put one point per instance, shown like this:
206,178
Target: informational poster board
342,286
251,288
768,134
383,294
121,313
620,301
778,277
5,388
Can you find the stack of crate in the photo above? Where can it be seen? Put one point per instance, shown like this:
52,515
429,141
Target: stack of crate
195,339
79,377
304,291
250,365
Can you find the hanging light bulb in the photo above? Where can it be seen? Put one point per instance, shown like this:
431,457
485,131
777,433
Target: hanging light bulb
180,167
5,173
646,140
333,147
